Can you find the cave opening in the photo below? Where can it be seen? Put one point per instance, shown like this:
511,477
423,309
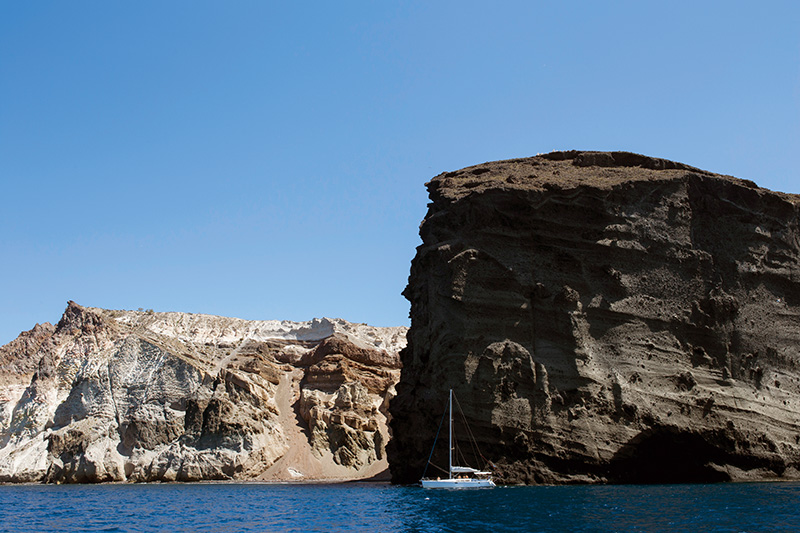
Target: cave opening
668,455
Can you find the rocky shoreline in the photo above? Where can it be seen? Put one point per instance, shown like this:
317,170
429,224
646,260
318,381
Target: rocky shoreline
109,396
603,317
606,317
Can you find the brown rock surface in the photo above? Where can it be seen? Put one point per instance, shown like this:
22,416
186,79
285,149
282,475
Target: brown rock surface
605,317
144,396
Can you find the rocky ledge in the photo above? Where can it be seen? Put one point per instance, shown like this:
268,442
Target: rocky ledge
605,317
143,396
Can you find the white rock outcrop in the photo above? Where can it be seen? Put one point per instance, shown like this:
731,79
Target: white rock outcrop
143,396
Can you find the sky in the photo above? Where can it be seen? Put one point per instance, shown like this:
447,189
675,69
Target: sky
267,160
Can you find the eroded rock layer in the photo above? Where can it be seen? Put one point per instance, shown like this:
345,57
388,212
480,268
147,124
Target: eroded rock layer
144,396
605,317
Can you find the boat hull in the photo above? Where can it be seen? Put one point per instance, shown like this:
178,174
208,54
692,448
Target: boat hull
456,483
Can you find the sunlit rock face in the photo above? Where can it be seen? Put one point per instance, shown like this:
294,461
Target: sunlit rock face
605,317
144,396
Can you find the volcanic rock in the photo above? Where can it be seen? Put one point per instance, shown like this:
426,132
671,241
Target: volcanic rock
144,396
605,317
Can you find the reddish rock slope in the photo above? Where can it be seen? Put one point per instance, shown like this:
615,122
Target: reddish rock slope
144,396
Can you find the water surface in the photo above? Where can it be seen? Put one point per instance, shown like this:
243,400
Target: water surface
228,507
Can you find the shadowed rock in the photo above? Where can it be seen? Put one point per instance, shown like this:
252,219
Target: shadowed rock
605,316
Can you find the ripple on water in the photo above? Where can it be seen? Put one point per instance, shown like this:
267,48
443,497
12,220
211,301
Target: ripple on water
245,507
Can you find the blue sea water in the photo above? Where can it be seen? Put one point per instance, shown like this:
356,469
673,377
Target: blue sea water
229,507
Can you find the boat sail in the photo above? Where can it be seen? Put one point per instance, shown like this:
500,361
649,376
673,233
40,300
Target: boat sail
459,477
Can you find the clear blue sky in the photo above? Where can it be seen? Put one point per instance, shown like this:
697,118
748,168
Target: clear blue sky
267,160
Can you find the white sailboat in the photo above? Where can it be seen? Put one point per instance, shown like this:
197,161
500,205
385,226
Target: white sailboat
459,477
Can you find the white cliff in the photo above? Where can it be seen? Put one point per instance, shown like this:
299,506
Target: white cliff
144,396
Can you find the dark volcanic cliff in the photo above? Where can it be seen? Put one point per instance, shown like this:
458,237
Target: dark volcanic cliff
605,317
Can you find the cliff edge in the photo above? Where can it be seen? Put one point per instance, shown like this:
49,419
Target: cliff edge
605,317
143,396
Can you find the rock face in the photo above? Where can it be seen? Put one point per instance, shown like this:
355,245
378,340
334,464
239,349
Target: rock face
605,317
143,396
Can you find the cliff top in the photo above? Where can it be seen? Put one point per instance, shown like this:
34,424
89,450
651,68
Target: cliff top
217,329
570,170
21,356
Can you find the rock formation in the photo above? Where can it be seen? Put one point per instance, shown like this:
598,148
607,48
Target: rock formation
144,396
605,317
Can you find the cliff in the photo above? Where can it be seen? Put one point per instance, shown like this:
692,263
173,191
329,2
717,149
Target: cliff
143,396
605,317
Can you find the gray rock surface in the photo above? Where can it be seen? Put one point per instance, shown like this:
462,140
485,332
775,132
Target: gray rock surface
144,396
605,317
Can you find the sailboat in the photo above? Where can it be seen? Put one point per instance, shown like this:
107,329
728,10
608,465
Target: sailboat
459,477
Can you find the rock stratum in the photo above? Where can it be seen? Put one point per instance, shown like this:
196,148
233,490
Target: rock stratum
143,396
605,317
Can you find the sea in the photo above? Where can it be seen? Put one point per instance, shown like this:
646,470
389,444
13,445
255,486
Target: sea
377,507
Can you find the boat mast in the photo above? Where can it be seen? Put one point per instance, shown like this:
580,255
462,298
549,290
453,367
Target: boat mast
450,440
